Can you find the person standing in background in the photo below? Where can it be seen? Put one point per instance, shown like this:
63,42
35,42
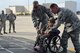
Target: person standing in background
11,17
3,18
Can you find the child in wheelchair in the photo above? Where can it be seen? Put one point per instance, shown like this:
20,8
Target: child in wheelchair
49,33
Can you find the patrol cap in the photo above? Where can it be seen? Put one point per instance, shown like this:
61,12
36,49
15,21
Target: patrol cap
35,2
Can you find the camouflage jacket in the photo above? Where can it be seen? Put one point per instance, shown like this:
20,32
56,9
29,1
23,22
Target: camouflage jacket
11,17
3,17
69,19
41,14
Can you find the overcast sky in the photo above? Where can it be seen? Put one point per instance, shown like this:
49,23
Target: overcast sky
7,3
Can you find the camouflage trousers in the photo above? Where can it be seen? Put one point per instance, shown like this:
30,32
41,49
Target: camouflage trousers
11,24
75,38
2,25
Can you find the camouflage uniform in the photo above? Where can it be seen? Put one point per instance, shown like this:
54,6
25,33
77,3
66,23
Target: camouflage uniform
3,18
71,29
11,18
40,17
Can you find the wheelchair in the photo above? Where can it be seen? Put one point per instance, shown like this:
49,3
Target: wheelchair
52,45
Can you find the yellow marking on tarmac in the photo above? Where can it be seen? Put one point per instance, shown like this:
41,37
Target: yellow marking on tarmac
71,49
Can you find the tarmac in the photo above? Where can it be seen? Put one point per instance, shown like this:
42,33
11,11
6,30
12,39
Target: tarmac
23,40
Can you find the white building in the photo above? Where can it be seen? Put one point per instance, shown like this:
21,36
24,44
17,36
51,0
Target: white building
17,9
30,8
7,10
72,5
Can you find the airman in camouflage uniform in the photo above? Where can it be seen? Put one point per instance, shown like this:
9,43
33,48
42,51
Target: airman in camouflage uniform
40,16
3,18
71,29
11,17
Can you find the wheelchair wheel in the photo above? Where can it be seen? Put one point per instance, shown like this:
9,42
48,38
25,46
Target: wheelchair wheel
45,41
54,44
